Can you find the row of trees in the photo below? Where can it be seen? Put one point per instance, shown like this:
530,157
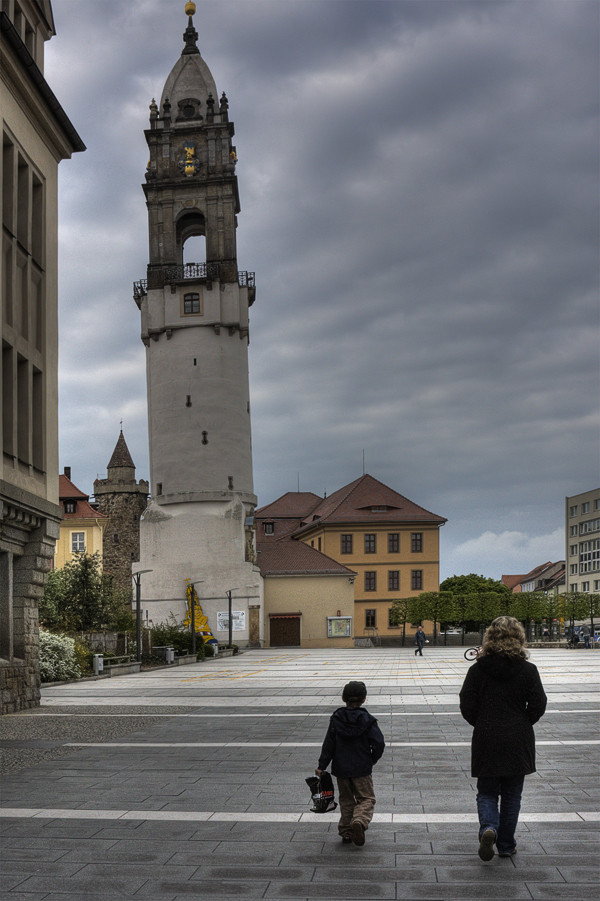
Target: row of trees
81,598
472,602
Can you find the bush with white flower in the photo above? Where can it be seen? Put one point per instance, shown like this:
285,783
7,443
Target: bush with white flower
57,658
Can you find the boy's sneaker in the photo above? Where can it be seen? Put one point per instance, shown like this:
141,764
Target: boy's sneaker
358,833
486,844
507,853
346,839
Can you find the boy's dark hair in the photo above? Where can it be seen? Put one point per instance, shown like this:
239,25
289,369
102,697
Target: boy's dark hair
354,693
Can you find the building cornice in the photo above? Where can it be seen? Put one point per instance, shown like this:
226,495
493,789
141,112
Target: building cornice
20,70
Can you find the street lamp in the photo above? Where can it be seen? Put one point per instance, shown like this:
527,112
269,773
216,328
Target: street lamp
228,593
193,617
137,578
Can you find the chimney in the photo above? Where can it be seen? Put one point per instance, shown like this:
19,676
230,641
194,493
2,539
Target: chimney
68,472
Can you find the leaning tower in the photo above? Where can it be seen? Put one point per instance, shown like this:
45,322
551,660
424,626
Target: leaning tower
194,317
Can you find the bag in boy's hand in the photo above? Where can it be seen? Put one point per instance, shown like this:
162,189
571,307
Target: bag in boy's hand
321,793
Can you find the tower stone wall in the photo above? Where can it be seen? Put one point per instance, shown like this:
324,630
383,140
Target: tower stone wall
123,500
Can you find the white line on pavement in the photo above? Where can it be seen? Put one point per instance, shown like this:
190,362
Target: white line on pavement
275,715
61,813
289,744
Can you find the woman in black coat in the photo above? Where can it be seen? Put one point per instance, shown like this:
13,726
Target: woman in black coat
502,697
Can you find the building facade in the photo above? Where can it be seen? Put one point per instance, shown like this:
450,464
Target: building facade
389,543
308,597
548,578
82,526
36,136
582,542
122,500
194,322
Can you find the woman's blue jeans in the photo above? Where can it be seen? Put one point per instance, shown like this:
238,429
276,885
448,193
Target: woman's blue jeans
502,820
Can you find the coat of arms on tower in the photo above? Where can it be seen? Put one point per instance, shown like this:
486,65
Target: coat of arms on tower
191,164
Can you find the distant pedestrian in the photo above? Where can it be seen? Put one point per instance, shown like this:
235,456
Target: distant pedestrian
585,631
353,744
419,640
502,697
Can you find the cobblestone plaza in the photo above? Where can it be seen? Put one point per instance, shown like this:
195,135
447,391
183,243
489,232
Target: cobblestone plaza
188,782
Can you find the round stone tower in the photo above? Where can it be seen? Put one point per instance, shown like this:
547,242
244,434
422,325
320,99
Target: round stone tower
194,319
123,500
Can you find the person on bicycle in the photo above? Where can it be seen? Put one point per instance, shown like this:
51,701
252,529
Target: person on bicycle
501,697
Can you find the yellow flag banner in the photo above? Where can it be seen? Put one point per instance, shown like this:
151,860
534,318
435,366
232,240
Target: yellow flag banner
200,620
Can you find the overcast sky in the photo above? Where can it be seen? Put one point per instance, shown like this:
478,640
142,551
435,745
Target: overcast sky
419,188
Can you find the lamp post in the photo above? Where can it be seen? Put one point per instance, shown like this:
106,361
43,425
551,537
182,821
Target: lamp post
193,616
228,593
137,578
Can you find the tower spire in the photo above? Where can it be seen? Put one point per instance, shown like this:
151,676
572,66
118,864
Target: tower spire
190,35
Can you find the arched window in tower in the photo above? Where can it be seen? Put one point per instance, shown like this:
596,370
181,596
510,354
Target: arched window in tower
194,250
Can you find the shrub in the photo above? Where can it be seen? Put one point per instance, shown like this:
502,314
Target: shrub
84,657
174,634
57,658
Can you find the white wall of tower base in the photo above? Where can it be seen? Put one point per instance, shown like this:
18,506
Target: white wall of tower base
208,543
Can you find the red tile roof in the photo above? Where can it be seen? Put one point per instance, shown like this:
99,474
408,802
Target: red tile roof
296,504
286,556
66,489
357,502
352,503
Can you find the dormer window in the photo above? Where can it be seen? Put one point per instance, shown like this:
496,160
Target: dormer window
380,509
70,506
269,528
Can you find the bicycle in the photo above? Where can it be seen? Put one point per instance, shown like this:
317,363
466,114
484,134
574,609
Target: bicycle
472,653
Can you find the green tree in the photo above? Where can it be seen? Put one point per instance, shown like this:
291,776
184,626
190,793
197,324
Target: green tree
460,608
80,597
477,599
552,609
399,614
593,611
529,608
473,584
436,606
483,607
576,606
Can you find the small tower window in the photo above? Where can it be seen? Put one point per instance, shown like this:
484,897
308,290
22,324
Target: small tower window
191,304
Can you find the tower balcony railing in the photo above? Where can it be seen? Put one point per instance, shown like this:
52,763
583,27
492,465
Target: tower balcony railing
169,275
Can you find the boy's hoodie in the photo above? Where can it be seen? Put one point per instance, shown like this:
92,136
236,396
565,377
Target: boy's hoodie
353,743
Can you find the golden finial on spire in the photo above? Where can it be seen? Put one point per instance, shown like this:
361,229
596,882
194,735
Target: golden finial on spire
190,8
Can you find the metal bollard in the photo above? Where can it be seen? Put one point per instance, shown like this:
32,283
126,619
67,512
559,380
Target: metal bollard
170,655
98,664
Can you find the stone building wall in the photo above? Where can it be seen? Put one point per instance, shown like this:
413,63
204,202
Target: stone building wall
26,551
121,543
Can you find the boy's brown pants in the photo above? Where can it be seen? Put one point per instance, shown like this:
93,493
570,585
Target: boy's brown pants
357,800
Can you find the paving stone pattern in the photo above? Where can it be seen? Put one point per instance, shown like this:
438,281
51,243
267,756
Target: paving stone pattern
189,783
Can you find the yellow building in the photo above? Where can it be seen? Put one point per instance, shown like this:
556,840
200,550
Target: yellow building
389,542
82,527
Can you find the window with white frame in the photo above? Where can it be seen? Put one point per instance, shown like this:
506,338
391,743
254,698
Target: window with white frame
77,542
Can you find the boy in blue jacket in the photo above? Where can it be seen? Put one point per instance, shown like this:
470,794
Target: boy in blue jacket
353,744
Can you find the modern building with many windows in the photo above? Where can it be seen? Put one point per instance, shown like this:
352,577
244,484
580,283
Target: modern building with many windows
389,542
36,136
582,537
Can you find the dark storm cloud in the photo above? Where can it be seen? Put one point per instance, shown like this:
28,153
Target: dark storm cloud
419,186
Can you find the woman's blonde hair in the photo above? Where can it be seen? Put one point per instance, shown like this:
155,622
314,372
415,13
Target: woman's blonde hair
506,636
